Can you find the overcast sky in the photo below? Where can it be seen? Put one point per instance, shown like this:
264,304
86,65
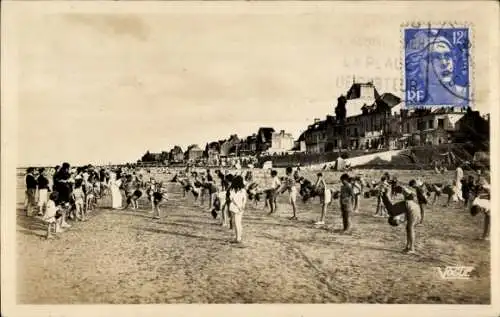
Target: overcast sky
107,87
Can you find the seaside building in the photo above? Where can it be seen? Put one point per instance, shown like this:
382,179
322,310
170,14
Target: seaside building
193,153
176,154
281,142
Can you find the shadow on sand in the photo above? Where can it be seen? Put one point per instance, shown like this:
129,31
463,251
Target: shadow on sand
188,235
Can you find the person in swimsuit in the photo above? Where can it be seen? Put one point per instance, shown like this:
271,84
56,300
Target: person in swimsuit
289,185
325,196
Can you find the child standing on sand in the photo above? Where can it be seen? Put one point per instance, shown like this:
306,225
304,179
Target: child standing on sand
129,187
271,192
89,194
31,185
50,216
420,196
357,186
78,197
289,185
43,191
325,196
382,186
237,202
158,196
134,200
346,201
226,201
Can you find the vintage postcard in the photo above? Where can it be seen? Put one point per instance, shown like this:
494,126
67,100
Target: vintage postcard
330,155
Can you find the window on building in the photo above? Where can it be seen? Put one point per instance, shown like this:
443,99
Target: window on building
441,123
431,124
355,131
421,125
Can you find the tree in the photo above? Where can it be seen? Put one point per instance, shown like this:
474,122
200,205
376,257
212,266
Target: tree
341,113
205,153
147,157
164,156
473,128
340,110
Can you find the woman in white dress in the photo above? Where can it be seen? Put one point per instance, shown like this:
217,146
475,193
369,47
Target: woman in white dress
459,174
116,196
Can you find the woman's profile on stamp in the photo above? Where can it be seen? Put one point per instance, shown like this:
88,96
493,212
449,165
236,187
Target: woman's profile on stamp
436,67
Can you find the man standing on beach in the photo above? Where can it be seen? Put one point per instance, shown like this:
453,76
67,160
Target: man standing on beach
31,185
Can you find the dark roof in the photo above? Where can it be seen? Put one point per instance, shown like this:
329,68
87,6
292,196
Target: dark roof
384,103
355,90
389,100
234,138
302,136
317,126
214,145
266,132
193,147
176,149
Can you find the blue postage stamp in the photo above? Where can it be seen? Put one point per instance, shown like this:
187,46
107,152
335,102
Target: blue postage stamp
436,66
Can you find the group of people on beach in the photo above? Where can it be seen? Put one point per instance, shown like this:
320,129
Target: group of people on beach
61,194
65,193
411,209
74,194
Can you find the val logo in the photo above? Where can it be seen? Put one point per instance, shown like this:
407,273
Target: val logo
455,272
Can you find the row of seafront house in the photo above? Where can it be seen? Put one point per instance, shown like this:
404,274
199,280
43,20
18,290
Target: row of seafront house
364,120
